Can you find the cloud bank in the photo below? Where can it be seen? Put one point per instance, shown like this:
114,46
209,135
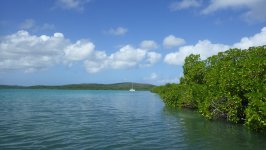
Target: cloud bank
125,57
206,48
23,51
30,52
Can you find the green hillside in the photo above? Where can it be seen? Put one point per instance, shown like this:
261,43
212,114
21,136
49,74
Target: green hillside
115,86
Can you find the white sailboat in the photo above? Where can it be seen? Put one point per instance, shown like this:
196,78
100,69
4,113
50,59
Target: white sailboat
132,89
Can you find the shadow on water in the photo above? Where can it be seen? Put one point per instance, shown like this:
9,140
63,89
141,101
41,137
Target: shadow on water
200,133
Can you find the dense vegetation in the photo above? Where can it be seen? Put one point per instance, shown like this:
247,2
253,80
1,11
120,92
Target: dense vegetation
230,85
116,86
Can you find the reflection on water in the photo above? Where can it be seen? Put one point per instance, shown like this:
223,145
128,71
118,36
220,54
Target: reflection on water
65,119
200,133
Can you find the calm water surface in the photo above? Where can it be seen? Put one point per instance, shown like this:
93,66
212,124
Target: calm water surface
66,119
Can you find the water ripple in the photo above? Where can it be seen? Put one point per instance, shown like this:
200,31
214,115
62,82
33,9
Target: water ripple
62,119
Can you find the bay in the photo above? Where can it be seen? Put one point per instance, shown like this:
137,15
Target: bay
84,119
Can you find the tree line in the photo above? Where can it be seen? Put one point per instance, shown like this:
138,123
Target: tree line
86,86
230,85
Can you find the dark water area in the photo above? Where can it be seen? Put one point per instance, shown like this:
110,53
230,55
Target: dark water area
82,119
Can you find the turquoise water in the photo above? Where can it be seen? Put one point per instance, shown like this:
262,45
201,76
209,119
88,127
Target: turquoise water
66,119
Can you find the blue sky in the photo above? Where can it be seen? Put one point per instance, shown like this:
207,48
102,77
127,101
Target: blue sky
107,41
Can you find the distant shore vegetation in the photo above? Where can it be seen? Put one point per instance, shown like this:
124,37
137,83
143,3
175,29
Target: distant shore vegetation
92,86
230,85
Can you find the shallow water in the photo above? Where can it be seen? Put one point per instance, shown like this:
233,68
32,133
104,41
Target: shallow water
82,119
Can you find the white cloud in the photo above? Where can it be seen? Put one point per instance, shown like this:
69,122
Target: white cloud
172,41
256,40
79,51
205,48
255,9
125,57
30,52
152,58
97,62
148,44
94,66
117,31
23,51
71,4
184,4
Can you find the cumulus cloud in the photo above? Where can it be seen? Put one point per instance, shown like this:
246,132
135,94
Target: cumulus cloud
94,66
23,51
172,41
256,40
184,4
79,50
28,52
125,57
148,44
205,48
117,31
71,4
152,58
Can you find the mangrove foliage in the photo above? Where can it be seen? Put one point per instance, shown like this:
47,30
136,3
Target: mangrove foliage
230,86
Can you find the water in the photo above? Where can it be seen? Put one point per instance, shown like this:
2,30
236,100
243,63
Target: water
66,119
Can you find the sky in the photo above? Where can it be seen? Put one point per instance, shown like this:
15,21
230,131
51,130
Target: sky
55,42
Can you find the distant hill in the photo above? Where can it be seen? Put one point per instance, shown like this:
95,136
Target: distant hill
91,86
